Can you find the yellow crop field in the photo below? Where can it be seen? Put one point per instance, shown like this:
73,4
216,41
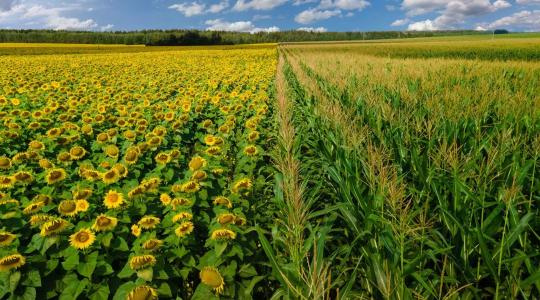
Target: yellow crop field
132,175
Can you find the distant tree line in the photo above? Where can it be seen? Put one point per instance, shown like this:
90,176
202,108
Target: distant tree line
198,37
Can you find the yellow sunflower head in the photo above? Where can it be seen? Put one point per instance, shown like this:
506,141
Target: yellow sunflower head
113,199
222,200
148,222
82,205
182,216
142,261
197,163
82,239
11,262
82,194
165,199
198,175
226,219
110,176
212,278
184,229
55,175
53,226
77,152
23,177
152,244
6,238
180,202
142,292
6,182
242,184
104,223
251,150
68,208
5,163
213,151
162,158
223,234
136,230
191,187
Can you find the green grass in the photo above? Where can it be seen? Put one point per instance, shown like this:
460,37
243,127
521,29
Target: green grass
423,170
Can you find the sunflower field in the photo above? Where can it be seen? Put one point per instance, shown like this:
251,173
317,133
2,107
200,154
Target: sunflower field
134,175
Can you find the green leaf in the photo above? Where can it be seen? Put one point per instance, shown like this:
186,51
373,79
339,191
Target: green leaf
87,268
126,272
71,261
29,294
14,279
102,292
203,292
164,290
32,278
74,288
106,239
124,290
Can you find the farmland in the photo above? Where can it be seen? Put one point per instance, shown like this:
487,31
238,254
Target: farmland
385,170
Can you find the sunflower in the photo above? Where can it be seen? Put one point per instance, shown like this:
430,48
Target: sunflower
122,170
175,153
197,163
152,244
142,292
83,194
23,177
218,171
191,187
110,176
39,219
165,199
53,226
223,234
77,152
226,219
184,229
82,205
11,262
36,145
151,184
251,150
210,140
111,151
242,184
104,223
180,202
142,261
6,182
68,208
239,221
45,163
82,239
198,175
102,137
212,278
113,199
6,238
55,175
148,222
253,136
5,163
136,230
136,191
222,200
213,151
182,216
162,158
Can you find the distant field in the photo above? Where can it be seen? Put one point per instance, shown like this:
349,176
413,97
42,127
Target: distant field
44,49
507,47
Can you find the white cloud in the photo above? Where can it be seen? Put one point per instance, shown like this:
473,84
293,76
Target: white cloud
426,25
219,7
526,2
452,13
400,22
240,26
107,27
344,4
189,9
26,15
330,8
524,20
313,15
301,2
311,29
242,5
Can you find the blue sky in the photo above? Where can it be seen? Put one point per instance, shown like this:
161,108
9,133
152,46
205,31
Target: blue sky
271,15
